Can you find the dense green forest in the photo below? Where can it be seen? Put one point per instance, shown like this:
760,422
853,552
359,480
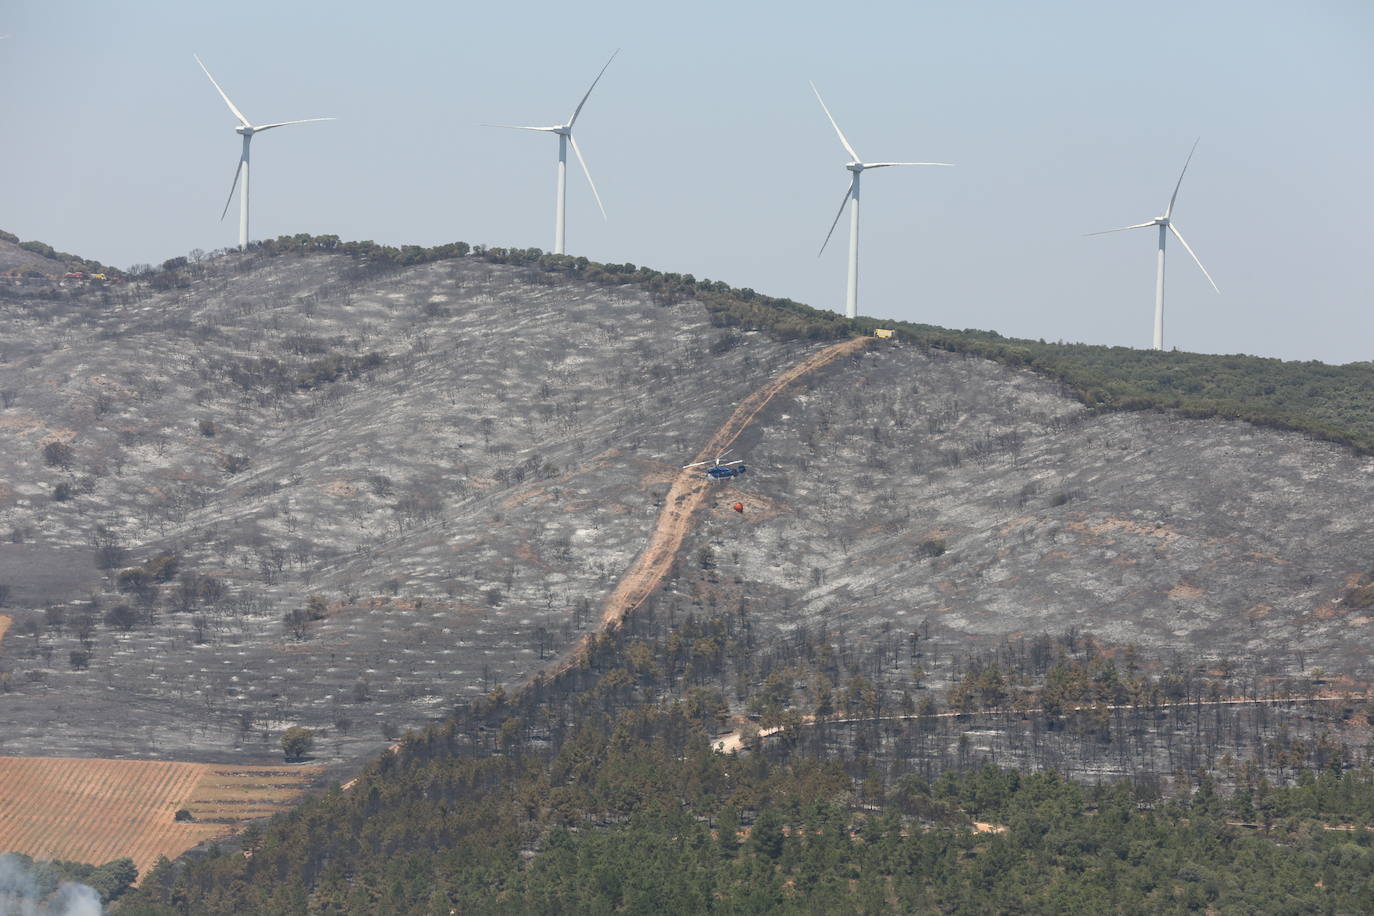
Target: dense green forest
509,808
597,791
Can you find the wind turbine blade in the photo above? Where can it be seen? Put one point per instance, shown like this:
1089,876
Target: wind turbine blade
285,123
1123,228
880,165
230,199
587,172
1180,181
232,107
520,127
853,155
578,110
848,191
1174,230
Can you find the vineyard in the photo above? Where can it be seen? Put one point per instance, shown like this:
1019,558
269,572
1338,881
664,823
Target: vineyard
95,810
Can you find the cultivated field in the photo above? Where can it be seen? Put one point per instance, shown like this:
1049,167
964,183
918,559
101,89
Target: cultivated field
95,810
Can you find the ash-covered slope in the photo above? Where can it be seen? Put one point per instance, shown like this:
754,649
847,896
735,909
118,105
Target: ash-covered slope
925,492
461,459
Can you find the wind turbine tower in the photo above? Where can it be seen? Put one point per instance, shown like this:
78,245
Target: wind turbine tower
1165,224
856,167
565,138
245,130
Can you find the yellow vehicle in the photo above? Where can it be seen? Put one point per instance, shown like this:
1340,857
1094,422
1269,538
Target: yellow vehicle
884,333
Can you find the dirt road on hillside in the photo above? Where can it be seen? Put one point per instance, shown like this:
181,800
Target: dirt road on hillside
685,497
688,494
689,490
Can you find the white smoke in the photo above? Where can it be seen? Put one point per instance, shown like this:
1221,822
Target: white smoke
20,894
75,900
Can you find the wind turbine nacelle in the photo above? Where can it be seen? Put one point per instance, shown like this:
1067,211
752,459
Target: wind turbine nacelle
855,166
244,131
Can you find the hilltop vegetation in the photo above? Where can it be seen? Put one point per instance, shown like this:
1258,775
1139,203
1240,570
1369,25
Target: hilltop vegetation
38,259
1335,403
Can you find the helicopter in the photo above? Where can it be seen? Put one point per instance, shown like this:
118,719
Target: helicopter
720,469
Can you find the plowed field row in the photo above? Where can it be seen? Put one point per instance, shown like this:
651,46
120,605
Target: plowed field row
94,810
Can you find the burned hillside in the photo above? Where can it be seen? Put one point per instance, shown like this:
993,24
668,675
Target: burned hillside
458,460
304,490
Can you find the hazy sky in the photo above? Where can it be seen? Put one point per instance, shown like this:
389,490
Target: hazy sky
713,158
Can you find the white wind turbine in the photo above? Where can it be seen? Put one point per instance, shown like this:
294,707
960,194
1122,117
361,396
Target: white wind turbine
1165,227
851,197
565,137
246,130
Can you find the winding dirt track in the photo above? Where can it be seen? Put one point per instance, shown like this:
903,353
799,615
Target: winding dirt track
734,741
688,494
